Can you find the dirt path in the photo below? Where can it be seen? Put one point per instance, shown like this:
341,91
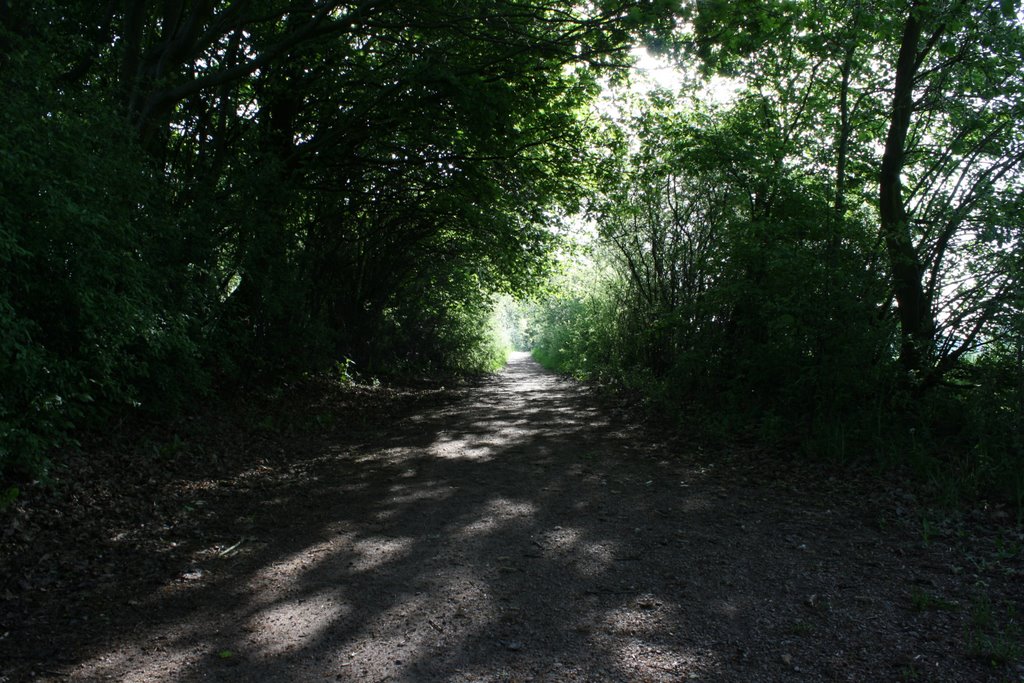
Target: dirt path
516,532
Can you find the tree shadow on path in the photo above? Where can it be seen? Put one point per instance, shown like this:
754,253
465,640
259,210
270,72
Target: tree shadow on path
519,533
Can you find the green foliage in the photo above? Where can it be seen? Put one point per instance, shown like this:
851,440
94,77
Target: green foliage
209,195
922,601
85,329
576,329
732,285
215,194
714,292
443,332
343,371
513,319
968,432
766,278
994,633
9,495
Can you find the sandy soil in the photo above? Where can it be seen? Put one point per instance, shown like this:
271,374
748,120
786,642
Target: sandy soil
521,529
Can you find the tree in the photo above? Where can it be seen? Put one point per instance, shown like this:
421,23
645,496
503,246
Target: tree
322,180
944,107
958,71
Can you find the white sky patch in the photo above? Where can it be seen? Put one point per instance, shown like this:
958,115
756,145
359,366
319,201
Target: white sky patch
652,71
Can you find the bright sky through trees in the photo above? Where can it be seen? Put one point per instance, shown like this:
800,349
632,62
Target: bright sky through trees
653,71
785,195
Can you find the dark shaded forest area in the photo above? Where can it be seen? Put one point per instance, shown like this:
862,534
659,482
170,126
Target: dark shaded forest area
259,257
203,195
200,197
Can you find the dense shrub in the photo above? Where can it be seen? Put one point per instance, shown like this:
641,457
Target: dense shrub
724,285
87,328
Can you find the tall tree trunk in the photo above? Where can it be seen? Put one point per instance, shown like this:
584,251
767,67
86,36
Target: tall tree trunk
916,323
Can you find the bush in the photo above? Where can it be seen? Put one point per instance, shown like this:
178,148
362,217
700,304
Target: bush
86,329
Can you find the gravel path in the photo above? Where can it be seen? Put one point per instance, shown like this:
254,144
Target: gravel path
521,531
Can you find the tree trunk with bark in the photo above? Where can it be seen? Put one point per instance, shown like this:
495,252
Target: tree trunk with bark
917,325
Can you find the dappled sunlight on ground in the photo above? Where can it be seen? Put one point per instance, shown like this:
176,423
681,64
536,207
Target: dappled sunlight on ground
375,551
459,551
496,514
407,495
509,533
295,623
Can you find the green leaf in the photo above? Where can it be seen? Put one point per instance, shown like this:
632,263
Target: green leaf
8,497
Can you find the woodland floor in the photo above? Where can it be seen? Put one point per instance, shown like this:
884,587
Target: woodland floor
518,528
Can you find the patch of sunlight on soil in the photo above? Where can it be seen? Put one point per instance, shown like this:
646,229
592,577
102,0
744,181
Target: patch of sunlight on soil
645,615
639,631
157,659
563,539
498,512
599,555
383,455
404,494
295,623
292,567
638,658
273,581
461,448
401,648
426,622
376,551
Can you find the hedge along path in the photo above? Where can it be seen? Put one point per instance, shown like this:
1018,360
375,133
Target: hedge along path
519,529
